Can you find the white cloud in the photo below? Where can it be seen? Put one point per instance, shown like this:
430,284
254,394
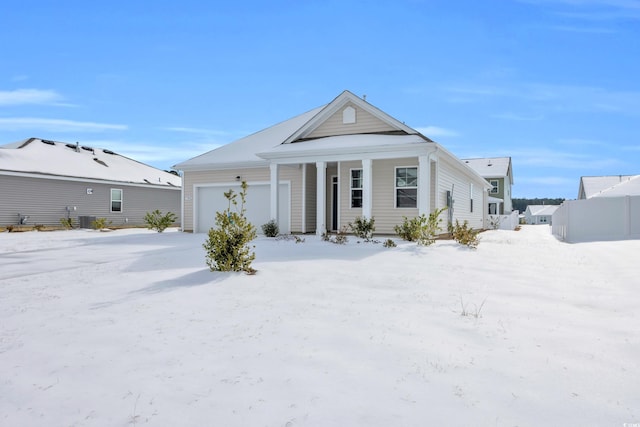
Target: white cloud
30,96
197,131
435,131
548,158
516,117
55,125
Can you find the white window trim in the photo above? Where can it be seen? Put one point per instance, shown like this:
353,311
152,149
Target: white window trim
395,186
351,188
121,200
491,181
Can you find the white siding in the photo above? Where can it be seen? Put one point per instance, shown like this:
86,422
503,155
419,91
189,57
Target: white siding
451,178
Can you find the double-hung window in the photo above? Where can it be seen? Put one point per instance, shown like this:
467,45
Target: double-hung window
495,186
406,187
356,188
116,200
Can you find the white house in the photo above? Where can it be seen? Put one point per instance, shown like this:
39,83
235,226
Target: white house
43,181
608,208
539,214
321,169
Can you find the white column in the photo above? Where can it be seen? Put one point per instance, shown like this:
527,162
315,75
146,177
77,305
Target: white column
275,189
424,185
321,197
304,198
367,185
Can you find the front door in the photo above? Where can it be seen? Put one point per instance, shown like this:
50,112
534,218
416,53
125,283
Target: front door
334,203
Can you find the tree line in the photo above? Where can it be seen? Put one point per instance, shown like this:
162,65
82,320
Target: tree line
521,204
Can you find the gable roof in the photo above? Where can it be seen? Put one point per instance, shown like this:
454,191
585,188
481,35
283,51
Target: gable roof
242,152
630,187
542,209
36,156
492,167
592,185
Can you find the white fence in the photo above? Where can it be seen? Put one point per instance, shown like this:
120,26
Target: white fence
503,222
598,218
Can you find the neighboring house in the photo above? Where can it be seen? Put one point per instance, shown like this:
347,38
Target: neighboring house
539,214
499,174
42,181
608,208
591,186
322,169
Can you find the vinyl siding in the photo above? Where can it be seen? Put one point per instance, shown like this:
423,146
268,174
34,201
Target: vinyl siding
286,173
311,196
365,123
452,178
45,200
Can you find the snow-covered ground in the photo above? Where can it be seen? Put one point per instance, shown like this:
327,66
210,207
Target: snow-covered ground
131,328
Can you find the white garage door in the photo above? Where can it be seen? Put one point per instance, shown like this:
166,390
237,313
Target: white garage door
210,199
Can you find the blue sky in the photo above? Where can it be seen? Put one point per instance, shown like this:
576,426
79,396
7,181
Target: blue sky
552,83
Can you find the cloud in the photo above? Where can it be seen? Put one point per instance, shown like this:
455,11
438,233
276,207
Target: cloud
516,117
547,158
197,131
435,131
593,10
31,96
55,125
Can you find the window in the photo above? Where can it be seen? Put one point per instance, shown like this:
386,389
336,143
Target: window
494,186
406,187
116,200
356,188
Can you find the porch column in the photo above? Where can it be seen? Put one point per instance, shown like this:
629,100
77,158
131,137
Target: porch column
304,198
275,190
367,185
424,185
321,197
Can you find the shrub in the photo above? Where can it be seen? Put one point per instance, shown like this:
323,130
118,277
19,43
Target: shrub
100,223
157,221
421,229
270,229
227,246
363,228
389,244
340,238
67,223
38,227
464,234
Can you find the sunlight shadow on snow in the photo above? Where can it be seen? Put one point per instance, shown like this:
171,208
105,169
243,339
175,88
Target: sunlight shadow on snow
197,278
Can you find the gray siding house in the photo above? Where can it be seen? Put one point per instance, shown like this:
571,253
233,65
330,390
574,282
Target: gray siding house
42,181
499,174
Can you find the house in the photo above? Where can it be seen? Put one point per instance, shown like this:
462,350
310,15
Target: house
539,214
591,186
608,208
320,170
499,174
43,181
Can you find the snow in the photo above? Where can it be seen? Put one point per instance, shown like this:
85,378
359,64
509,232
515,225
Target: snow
57,159
490,167
131,328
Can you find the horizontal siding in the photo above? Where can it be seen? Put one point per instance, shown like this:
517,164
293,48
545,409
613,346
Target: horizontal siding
384,210
365,123
286,173
44,201
451,178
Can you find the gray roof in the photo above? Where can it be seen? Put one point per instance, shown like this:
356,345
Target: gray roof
590,186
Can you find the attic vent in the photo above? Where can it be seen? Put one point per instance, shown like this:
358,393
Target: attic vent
109,152
349,115
72,146
87,148
97,160
46,141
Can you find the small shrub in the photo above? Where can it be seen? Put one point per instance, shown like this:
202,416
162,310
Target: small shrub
465,235
227,246
340,238
476,312
38,227
290,237
9,228
421,229
67,223
363,228
389,244
158,221
270,229
100,223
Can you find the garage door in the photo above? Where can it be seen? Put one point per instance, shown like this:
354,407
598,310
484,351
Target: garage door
210,199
